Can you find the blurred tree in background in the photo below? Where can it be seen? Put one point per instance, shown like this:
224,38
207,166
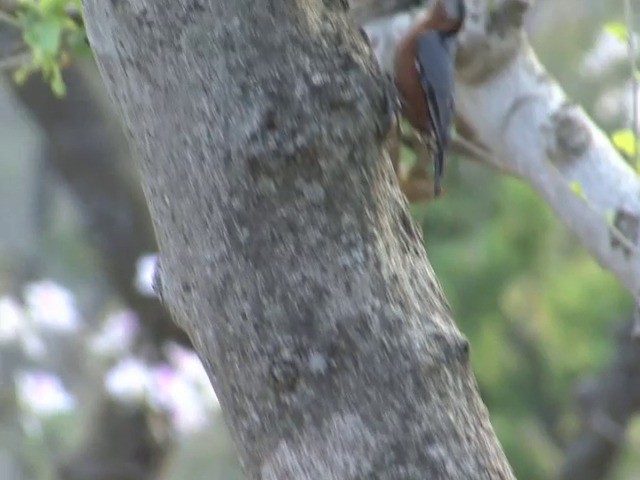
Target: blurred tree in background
540,314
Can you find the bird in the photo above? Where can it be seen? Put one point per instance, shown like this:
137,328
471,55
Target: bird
424,77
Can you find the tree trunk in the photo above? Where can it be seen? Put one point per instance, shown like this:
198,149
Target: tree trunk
607,404
288,254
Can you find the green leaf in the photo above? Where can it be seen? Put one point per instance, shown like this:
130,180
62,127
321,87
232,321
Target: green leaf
57,84
53,7
618,30
52,36
44,36
578,190
609,215
21,75
625,141
77,42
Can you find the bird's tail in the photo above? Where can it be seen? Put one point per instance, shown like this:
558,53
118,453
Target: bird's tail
438,167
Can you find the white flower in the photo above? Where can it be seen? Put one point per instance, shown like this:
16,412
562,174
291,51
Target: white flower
42,393
116,335
180,388
180,397
188,364
189,414
52,306
145,271
17,326
12,320
607,51
128,381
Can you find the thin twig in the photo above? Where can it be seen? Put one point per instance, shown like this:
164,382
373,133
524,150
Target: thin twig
9,19
14,61
9,8
472,149
635,128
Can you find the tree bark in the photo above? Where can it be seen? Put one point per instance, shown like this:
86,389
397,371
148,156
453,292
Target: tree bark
288,254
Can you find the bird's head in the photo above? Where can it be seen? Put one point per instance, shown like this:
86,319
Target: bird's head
446,16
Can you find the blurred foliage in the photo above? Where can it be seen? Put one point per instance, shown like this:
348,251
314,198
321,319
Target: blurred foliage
53,37
537,309
626,142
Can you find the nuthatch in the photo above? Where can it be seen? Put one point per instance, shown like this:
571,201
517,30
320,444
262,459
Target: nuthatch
424,71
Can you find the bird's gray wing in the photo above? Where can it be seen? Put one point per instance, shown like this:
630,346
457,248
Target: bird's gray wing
435,61
435,58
